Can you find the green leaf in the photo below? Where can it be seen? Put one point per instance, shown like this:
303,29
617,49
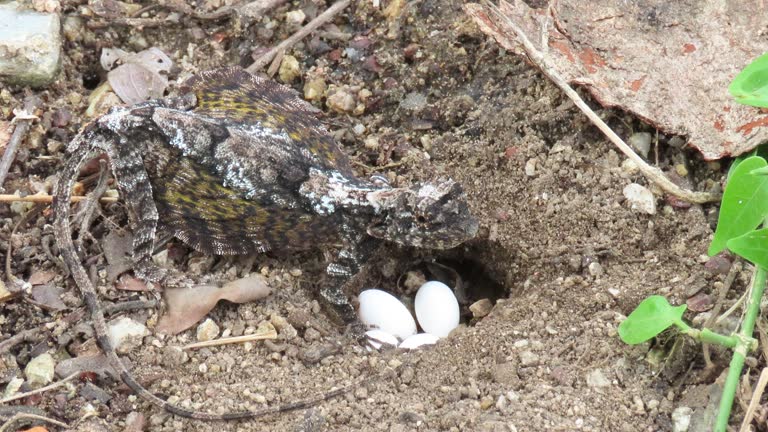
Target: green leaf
744,204
752,246
651,317
750,87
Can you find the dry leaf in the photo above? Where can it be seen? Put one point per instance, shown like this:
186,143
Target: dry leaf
140,77
49,296
669,63
187,306
40,277
36,429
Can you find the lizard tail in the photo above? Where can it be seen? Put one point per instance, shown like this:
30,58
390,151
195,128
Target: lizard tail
90,139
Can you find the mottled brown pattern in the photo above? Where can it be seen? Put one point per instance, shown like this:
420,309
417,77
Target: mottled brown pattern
237,165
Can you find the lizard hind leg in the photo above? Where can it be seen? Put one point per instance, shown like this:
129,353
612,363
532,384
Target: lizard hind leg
133,182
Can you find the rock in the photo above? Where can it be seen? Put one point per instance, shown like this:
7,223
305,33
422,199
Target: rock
12,387
414,102
289,69
208,330
595,269
641,141
30,46
529,358
341,100
314,89
640,199
125,334
40,370
481,308
295,18
530,167
681,419
91,392
173,356
597,379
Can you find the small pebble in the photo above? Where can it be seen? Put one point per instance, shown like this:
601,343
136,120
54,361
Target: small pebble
125,333
529,358
207,331
40,370
481,308
289,69
597,379
341,101
314,89
681,419
640,199
641,141
295,17
595,269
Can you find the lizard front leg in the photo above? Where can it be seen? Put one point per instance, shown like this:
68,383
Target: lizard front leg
340,273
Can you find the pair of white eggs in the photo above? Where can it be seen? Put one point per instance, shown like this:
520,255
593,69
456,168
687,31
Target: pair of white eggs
436,307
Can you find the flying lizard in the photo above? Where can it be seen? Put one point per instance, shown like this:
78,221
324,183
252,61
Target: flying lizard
237,164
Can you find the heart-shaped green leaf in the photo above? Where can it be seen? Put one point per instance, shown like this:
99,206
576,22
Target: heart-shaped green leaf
744,204
750,87
752,246
651,317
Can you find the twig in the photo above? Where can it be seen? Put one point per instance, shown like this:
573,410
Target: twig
16,282
57,384
320,20
753,403
31,103
21,416
47,199
231,340
24,336
653,174
732,273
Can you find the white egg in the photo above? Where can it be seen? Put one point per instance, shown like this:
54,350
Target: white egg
437,308
378,336
418,341
383,311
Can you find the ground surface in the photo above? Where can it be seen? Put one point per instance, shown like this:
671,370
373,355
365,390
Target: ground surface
545,185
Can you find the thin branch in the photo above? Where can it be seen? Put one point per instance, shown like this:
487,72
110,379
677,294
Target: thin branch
47,199
653,174
231,340
52,386
31,103
24,336
320,20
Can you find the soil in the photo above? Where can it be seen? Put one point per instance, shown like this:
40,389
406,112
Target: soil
558,240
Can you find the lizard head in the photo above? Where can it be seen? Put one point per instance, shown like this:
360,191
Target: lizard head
430,215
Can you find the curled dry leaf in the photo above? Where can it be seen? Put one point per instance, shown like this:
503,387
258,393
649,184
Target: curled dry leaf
187,306
141,75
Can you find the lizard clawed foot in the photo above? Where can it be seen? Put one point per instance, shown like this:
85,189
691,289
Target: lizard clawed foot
357,331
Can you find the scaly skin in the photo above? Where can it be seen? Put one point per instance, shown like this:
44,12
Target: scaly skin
238,165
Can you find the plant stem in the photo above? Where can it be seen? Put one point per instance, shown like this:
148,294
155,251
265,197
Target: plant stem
740,352
710,337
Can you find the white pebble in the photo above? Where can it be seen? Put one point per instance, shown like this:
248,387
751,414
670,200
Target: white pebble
437,308
122,329
418,341
383,311
39,370
380,335
207,331
640,198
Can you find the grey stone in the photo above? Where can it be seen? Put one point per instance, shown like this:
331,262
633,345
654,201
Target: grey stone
30,46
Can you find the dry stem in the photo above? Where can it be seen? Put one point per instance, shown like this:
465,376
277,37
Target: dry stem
320,20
